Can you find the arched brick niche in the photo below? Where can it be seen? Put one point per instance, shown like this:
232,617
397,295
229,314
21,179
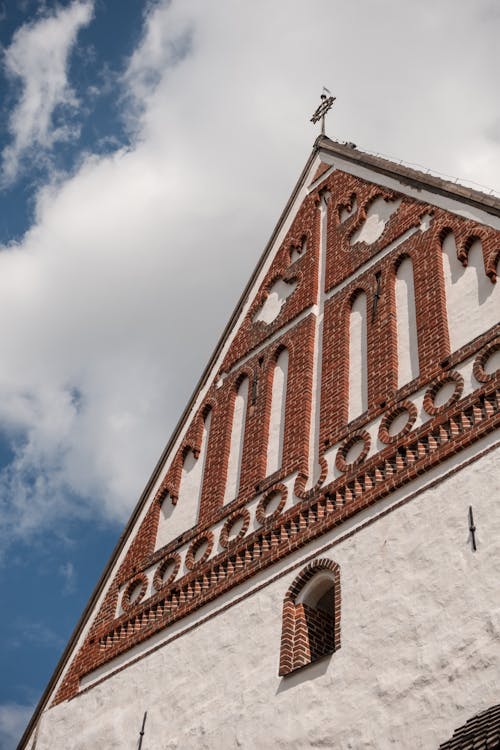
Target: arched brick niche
311,616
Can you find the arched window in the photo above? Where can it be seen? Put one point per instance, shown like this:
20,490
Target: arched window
358,359
406,322
311,616
277,416
237,440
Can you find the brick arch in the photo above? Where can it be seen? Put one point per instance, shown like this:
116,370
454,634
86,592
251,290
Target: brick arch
346,203
309,631
464,247
304,239
491,265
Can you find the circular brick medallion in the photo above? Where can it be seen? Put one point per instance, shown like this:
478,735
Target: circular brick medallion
235,528
271,504
444,391
353,451
166,571
487,363
134,592
393,425
199,550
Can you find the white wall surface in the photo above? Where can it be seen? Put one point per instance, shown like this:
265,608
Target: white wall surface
358,359
174,519
420,648
277,418
377,217
406,321
237,440
472,300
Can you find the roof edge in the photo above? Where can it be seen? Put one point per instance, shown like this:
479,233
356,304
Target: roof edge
415,178
42,703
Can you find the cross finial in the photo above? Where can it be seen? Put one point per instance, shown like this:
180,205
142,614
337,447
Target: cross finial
324,107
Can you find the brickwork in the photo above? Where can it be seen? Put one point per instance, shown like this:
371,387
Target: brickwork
265,537
310,632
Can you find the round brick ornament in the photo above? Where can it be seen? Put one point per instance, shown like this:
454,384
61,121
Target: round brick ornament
192,561
173,561
134,592
360,436
384,431
439,383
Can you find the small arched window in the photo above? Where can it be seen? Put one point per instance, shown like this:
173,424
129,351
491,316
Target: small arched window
311,616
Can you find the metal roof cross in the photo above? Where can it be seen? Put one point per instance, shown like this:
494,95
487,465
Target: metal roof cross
324,107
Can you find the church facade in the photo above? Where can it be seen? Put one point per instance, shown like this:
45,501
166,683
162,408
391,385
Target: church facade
315,561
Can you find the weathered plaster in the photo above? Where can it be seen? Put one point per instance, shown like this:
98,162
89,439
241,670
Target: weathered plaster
420,648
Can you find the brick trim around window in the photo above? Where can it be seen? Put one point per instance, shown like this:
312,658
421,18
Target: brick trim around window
311,616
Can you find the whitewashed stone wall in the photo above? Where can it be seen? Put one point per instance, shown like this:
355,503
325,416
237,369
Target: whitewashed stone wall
420,647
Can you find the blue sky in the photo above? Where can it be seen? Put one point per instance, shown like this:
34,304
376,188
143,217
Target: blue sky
146,152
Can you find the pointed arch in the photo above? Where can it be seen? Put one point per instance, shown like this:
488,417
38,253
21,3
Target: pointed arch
237,440
406,321
358,356
311,616
276,432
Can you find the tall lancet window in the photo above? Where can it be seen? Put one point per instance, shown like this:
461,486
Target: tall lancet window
358,358
175,519
472,301
237,440
277,417
406,321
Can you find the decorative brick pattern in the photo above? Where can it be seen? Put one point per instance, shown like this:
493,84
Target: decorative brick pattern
227,539
253,354
447,377
308,632
262,514
389,418
206,540
360,436
481,360
134,592
172,562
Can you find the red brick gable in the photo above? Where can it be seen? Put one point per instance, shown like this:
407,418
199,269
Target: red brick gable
252,354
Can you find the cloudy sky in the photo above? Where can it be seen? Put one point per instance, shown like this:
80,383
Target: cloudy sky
146,152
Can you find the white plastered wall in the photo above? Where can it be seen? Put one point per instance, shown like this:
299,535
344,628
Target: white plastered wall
358,360
472,300
174,519
420,647
237,442
406,322
277,417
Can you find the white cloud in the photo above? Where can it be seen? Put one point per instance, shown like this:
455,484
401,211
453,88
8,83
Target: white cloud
38,58
13,719
68,573
117,294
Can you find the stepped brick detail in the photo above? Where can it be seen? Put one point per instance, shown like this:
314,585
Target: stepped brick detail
272,516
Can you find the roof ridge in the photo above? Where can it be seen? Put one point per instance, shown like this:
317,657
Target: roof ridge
488,202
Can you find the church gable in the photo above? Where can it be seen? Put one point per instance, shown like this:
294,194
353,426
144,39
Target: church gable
347,376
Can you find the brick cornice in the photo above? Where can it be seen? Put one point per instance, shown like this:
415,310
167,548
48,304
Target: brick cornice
393,467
